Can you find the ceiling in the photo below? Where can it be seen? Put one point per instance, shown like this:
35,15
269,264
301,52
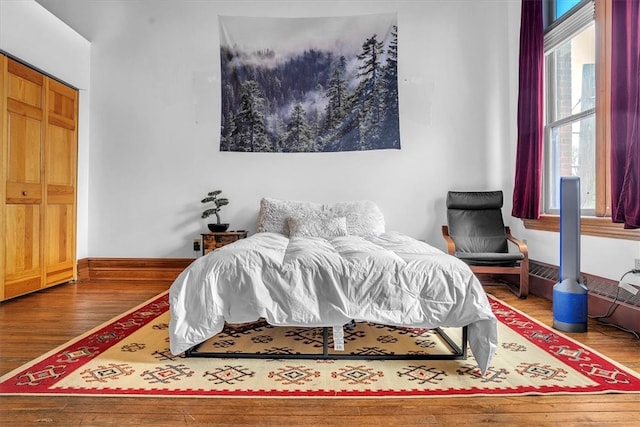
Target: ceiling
75,13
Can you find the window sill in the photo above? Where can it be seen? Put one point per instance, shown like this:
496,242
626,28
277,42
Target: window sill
589,226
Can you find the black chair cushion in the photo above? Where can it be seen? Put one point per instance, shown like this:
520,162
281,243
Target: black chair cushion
474,200
475,221
492,258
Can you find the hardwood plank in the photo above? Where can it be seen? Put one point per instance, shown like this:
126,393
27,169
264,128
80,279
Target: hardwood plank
38,322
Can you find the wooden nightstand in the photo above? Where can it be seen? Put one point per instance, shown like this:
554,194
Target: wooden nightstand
211,241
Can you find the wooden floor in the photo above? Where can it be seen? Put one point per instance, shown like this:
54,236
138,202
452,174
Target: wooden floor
36,323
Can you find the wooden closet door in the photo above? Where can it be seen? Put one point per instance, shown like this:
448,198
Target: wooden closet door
60,173
23,174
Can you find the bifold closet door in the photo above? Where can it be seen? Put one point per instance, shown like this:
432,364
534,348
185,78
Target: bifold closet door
38,164
60,178
23,174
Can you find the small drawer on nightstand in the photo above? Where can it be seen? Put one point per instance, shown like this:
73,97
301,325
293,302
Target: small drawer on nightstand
212,241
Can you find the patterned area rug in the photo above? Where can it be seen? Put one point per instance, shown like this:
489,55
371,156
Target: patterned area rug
129,356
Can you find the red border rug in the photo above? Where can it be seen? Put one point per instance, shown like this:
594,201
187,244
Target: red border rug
129,356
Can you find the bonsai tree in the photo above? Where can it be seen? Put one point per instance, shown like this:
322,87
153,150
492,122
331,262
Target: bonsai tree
218,203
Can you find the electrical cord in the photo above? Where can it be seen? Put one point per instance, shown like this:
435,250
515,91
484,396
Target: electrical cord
622,328
613,307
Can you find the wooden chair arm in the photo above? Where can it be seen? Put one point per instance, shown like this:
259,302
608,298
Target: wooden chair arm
522,246
451,245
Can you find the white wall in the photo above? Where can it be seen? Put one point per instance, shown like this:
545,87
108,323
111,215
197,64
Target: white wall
32,34
155,123
155,126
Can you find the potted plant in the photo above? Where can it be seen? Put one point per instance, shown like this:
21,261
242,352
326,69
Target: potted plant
218,203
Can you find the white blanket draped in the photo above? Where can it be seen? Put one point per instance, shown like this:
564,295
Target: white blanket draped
390,279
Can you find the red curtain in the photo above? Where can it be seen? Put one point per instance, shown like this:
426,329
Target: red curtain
526,192
625,112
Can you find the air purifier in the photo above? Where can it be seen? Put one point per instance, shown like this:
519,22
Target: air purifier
570,295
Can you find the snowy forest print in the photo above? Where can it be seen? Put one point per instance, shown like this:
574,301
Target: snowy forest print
309,84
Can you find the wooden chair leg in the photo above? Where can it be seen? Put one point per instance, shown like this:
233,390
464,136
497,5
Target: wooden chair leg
524,279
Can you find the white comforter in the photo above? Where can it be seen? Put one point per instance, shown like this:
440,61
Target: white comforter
390,279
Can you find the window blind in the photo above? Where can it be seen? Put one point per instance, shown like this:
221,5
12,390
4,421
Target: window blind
570,24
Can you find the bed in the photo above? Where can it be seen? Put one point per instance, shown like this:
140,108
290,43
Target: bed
326,265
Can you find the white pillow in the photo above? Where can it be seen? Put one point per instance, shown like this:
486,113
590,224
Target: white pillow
274,214
364,217
318,226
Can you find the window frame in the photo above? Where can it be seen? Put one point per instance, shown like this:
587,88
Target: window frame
601,224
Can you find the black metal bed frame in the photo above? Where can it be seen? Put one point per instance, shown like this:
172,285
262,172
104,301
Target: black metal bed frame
458,352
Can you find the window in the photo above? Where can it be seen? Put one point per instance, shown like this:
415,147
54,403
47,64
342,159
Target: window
577,133
570,105
558,8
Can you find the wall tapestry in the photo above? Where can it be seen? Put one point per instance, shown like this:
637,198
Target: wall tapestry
309,84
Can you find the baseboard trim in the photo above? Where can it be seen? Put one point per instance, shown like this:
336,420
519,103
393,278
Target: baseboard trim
602,291
136,269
